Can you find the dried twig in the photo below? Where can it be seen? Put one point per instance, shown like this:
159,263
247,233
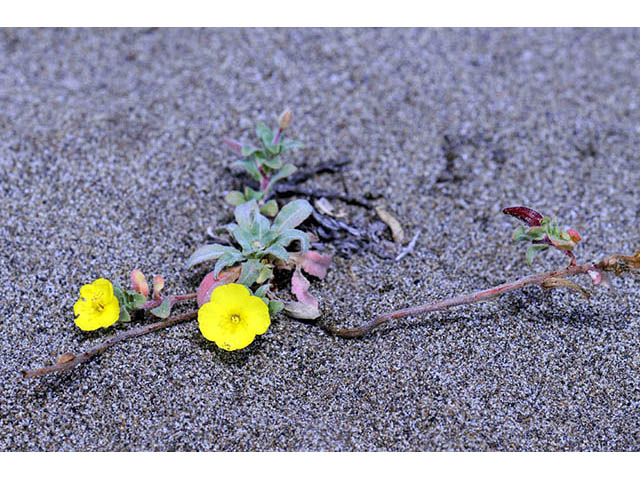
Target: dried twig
68,361
409,248
615,263
285,189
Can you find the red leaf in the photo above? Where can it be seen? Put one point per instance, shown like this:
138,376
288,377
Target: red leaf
316,264
300,288
526,214
209,283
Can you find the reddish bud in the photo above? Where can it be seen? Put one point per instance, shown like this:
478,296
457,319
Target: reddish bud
575,236
285,120
139,283
526,214
232,145
158,284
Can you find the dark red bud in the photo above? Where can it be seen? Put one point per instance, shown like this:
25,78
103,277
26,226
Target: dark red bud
527,215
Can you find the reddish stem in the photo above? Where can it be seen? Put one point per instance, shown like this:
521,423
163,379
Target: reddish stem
174,299
476,297
89,354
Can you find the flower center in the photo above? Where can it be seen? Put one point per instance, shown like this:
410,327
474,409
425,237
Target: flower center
235,318
97,303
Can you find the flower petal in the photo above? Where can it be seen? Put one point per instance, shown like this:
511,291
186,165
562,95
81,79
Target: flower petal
225,294
103,286
110,314
256,314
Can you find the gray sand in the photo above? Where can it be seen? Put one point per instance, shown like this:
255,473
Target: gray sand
110,160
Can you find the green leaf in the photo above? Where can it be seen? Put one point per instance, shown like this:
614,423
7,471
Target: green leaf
245,214
277,251
274,163
273,149
124,315
262,291
265,274
250,271
249,150
136,300
251,194
533,250
275,307
249,164
245,238
118,292
235,198
292,215
270,209
264,133
290,235
261,226
286,170
163,310
209,252
226,260
290,145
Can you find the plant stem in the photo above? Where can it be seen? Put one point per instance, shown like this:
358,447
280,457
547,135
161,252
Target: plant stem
89,354
174,299
538,279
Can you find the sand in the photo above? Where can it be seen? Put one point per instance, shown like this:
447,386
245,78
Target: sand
110,159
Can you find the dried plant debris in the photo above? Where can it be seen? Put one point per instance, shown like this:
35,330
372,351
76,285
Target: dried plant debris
396,229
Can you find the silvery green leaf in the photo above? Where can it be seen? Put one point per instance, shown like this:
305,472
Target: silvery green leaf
291,234
262,291
249,165
124,315
274,163
137,300
290,145
249,150
264,133
251,194
275,307
245,213
163,310
292,215
245,238
226,260
277,251
118,292
209,252
235,198
273,149
250,271
270,208
269,237
286,170
261,225
265,274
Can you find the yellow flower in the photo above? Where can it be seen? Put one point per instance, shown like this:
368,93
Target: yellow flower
98,307
233,317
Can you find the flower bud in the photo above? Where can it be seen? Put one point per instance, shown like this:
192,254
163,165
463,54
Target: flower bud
285,120
575,236
139,283
158,284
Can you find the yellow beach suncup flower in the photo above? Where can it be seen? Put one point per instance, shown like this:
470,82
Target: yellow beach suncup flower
98,307
233,317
